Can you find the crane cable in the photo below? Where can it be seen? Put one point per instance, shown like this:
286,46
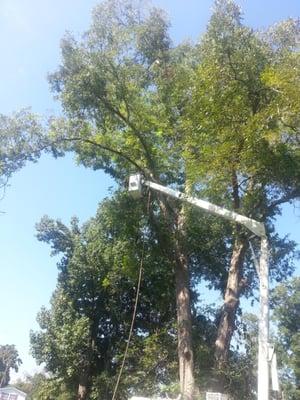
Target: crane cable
135,306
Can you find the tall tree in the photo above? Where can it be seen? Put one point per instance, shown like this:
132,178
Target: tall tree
200,118
9,359
114,86
242,126
84,333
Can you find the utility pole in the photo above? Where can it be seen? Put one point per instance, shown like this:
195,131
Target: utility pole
136,184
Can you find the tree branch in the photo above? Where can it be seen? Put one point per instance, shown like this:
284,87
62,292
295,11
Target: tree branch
125,119
235,74
134,129
288,197
109,149
235,190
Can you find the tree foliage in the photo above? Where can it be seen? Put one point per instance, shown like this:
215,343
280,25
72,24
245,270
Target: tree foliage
236,114
44,387
22,139
87,325
240,151
286,303
84,334
210,116
218,119
115,88
9,359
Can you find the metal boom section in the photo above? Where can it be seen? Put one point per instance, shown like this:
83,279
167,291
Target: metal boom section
136,183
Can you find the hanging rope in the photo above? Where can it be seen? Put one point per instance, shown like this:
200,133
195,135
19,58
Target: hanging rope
134,309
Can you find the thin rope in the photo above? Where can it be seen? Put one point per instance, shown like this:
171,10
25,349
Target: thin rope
134,310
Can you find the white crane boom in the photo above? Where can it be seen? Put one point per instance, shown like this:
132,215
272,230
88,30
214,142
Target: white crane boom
136,184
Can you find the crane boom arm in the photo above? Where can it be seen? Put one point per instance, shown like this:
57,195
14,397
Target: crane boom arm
135,187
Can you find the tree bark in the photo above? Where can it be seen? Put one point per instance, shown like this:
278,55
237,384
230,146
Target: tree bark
176,218
184,319
84,382
231,302
83,387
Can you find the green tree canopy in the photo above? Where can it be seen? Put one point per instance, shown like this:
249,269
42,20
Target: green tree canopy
43,387
87,326
286,302
217,119
22,139
9,359
83,335
239,147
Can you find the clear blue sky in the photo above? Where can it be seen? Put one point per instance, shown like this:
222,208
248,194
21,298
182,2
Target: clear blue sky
30,32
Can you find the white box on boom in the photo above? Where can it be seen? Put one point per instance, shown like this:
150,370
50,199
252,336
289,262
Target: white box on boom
135,186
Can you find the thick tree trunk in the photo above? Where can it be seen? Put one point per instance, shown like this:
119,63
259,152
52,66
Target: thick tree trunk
231,302
184,319
185,351
83,387
183,298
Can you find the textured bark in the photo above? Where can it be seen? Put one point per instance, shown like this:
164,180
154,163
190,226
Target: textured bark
84,383
82,388
231,303
184,320
234,284
175,218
